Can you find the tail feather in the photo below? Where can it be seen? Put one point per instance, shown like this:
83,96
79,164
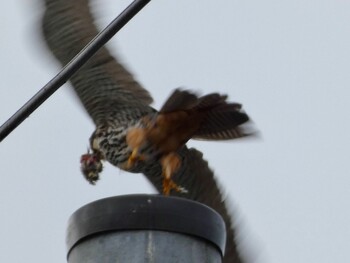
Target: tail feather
211,100
220,120
223,124
180,100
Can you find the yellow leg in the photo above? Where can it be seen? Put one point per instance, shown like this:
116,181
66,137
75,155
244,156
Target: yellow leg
170,164
132,158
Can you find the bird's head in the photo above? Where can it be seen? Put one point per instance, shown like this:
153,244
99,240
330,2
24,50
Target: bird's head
91,166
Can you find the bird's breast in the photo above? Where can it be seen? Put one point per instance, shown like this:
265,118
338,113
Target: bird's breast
112,144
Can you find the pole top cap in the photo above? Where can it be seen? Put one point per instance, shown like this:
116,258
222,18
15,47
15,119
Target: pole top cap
146,212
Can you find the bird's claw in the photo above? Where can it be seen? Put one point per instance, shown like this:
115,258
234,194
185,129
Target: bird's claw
169,185
170,164
134,157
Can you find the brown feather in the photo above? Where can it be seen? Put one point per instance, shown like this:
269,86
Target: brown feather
179,100
209,117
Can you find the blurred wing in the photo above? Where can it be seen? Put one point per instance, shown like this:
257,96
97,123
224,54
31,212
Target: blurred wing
103,85
196,176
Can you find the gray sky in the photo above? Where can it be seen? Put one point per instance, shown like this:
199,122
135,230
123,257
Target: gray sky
286,61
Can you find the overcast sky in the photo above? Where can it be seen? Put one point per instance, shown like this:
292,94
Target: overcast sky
287,62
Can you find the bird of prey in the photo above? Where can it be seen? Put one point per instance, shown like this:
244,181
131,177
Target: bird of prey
183,116
131,134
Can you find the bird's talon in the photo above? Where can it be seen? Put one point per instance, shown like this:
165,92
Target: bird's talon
169,185
132,158
182,190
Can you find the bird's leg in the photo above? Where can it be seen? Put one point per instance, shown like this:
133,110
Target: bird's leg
133,157
135,137
170,164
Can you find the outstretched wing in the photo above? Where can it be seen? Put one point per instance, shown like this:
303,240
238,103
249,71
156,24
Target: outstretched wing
104,86
107,89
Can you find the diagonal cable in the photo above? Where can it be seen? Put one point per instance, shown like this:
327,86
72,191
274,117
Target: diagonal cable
94,45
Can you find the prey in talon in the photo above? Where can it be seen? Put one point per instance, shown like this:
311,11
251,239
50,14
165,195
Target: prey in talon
91,166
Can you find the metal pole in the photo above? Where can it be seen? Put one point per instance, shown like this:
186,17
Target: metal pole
62,77
145,229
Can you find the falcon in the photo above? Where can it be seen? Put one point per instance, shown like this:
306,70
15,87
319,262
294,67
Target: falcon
129,133
183,116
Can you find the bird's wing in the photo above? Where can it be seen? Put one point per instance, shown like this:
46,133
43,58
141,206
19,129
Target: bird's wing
196,177
104,86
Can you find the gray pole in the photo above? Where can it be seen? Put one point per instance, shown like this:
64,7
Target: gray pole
144,229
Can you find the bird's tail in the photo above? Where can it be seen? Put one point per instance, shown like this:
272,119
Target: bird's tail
222,120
